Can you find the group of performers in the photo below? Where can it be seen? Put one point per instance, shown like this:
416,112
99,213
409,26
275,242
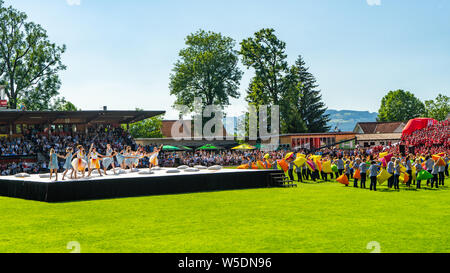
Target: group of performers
410,169
80,161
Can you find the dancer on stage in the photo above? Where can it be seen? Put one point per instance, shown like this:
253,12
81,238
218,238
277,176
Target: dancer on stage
94,157
126,158
68,163
120,158
108,160
53,164
129,158
139,155
154,157
134,159
79,163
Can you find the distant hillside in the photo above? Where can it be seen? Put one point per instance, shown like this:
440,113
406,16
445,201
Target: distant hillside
346,120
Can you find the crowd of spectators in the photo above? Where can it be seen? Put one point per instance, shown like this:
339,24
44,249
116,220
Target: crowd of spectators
22,146
20,167
210,158
33,143
431,140
14,152
236,158
435,135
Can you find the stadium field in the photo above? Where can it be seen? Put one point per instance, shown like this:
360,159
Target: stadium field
315,217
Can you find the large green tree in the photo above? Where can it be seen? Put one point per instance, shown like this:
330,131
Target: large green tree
265,53
304,110
207,69
61,104
294,89
29,62
148,128
400,105
438,108
290,114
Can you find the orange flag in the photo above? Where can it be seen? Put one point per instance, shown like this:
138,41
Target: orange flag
343,179
357,174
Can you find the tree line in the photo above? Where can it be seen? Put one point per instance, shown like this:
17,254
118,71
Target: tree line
208,68
29,63
400,105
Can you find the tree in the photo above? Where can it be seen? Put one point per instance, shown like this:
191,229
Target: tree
304,110
29,62
400,105
265,53
438,108
208,69
61,104
148,128
290,114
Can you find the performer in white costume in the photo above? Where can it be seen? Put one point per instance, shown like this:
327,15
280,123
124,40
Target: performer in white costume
79,163
108,160
94,157
154,157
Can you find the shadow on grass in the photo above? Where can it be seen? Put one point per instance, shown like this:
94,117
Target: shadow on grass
310,182
386,190
380,188
432,189
410,189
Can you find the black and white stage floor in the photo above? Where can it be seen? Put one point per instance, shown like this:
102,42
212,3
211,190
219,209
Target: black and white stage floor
142,182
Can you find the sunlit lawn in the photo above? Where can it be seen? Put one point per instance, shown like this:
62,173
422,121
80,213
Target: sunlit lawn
315,217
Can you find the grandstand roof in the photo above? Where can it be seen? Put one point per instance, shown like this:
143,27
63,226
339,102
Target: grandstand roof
74,117
379,127
389,136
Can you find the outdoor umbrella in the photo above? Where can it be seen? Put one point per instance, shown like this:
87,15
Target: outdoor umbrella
170,148
208,147
244,147
185,148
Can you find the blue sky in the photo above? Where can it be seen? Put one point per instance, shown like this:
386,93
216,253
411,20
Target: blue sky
120,52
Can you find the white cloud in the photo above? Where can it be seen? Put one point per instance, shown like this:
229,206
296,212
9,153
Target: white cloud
373,2
73,2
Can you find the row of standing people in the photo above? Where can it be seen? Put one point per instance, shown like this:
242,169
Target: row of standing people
349,166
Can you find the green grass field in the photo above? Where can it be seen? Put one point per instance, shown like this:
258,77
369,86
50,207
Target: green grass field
322,217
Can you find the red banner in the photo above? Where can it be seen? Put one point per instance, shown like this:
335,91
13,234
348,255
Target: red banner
417,124
3,103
